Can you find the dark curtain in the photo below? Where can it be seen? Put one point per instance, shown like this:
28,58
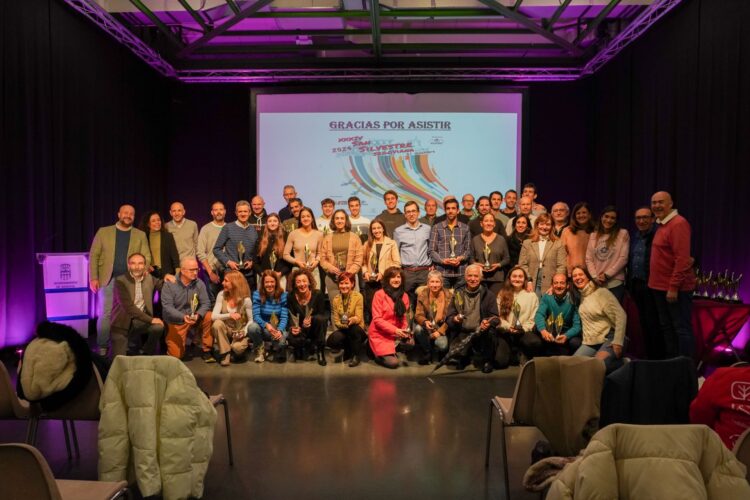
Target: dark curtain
82,131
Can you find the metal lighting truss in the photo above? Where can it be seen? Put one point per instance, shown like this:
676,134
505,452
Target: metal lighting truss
381,71
112,26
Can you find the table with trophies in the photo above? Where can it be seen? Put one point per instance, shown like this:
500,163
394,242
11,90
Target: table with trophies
718,313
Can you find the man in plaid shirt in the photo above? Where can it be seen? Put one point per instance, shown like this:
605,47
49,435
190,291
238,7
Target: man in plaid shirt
450,242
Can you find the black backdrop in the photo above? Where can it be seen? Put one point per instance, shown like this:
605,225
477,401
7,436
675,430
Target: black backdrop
85,126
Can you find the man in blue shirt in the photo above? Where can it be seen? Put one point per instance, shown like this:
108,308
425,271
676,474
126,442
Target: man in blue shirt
186,306
637,282
235,246
565,339
413,242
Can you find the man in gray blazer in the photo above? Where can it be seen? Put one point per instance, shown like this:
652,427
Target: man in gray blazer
108,259
133,309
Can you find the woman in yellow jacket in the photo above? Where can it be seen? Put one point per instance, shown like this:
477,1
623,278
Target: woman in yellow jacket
347,318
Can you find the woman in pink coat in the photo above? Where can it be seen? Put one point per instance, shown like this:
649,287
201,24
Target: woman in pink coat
390,322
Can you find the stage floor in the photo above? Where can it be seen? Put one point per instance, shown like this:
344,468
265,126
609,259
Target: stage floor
305,431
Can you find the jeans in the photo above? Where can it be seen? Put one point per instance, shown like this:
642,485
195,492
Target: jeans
675,323
453,282
259,335
103,322
611,363
423,340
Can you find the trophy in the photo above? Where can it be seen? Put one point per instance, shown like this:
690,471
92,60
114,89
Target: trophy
326,230
272,259
516,313
295,319
345,307
373,266
258,222
307,256
194,307
698,282
459,301
341,261
274,320
241,254
559,323
486,251
706,283
359,231
550,322
735,288
722,284
433,313
453,243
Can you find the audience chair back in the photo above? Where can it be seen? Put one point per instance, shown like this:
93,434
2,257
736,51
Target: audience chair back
650,392
10,406
25,474
742,451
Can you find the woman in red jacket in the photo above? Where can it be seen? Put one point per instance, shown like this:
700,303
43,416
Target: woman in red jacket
390,323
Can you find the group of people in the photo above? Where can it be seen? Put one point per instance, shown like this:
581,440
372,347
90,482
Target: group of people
497,280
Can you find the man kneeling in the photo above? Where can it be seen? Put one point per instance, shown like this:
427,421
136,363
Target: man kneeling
473,310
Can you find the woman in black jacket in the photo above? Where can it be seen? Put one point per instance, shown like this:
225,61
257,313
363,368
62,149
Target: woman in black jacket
164,256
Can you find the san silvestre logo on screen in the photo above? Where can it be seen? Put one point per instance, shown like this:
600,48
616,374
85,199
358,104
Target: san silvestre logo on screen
389,125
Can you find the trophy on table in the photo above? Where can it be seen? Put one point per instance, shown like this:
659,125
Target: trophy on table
735,289
272,259
194,307
240,255
699,281
486,251
722,285
706,279
453,244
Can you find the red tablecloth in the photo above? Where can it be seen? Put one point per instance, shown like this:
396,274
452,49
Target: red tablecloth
716,323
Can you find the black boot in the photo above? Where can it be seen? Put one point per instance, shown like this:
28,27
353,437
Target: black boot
354,361
322,355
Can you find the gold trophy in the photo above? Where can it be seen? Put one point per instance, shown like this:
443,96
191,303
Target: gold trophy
194,307
274,320
559,323
240,255
340,261
453,244
550,322
486,251
272,259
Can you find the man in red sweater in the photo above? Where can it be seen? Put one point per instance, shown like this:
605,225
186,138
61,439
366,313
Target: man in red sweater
671,277
723,403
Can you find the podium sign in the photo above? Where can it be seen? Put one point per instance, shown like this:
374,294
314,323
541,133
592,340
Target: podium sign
66,288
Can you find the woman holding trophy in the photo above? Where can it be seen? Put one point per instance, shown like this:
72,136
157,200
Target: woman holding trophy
340,251
302,244
232,316
517,307
490,250
542,256
271,249
380,253
307,316
602,318
430,328
390,321
347,318
270,316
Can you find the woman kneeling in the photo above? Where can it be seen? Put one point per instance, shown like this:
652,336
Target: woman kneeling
346,316
232,316
390,325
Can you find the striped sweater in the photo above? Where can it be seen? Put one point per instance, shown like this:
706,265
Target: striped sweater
262,311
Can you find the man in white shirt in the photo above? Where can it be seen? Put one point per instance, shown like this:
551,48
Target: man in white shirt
360,225
324,221
185,231
205,250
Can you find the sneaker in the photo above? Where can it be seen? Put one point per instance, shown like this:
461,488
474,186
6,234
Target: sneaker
208,357
260,354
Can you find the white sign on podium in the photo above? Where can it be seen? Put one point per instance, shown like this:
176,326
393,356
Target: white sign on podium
66,288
